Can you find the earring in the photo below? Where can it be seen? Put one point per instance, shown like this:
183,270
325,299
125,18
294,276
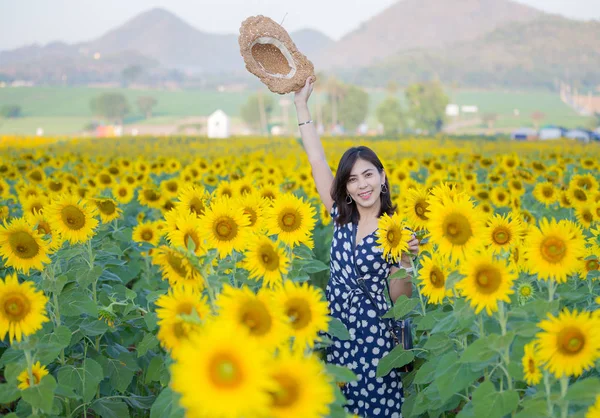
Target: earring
384,188
349,197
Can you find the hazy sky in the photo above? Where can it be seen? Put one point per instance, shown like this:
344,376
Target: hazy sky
24,22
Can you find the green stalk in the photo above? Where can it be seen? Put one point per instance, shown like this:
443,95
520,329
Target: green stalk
564,385
548,400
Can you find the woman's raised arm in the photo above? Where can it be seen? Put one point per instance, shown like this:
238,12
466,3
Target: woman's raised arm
321,172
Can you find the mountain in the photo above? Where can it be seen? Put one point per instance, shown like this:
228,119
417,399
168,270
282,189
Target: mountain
154,38
527,54
410,24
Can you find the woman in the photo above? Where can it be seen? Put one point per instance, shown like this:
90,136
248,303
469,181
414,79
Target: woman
356,198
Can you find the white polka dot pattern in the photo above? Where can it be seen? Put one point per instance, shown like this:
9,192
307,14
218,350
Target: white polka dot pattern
370,339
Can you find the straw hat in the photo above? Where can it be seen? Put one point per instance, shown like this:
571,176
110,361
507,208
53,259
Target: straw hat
271,55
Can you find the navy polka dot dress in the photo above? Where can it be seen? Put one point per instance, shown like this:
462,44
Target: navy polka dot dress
370,338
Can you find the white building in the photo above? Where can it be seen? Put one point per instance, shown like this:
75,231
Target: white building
218,125
452,109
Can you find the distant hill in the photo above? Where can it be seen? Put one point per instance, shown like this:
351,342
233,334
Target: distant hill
530,54
153,38
410,24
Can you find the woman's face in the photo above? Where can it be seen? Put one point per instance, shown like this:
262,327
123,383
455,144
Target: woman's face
364,183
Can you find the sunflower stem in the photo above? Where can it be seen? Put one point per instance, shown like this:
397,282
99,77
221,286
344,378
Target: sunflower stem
548,400
551,289
414,280
502,317
564,385
481,328
29,359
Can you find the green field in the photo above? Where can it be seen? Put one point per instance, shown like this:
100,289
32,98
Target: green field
65,110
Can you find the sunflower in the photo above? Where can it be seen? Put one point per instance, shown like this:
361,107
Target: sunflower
569,343
254,205
22,308
193,199
594,411
291,219
176,268
146,232
531,365
224,189
546,193
41,224
303,389
37,371
22,246
456,226
150,196
123,193
578,196
590,261
432,278
416,208
185,230
217,378
487,282
255,314
224,226
269,192
108,209
500,197
525,291
34,204
5,190
392,237
586,181
174,329
552,250
325,215
170,188
564,199
73,218
516,187
242,187
305,309
585,214
267,260
504,232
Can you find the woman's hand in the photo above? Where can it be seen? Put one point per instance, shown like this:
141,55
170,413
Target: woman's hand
302,95
413,250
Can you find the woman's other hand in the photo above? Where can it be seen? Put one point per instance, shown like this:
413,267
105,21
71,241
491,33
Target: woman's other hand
302,95
413,250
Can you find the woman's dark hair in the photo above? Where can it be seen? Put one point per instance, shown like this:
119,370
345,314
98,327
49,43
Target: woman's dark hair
349,212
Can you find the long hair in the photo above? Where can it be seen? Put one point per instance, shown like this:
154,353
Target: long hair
349,212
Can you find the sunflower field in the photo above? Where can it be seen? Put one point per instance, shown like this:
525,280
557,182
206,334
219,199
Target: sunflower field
182,276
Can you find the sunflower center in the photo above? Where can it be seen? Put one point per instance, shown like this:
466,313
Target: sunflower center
525,291
73,217
184,308
288,392
122,192
172,186
191,236
225,229
299,313
251,214
289,220
269,257
16,307
107,207
105,179
457,229
553,249
580,195
570,340
181,330
196,206
488,280
147,235
548,191
151,195
587,216
421,209
44,228
23,244
531,366
501,235
36,176
436,277
55,186
393,237
225,371
256,317
176,264
592,264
